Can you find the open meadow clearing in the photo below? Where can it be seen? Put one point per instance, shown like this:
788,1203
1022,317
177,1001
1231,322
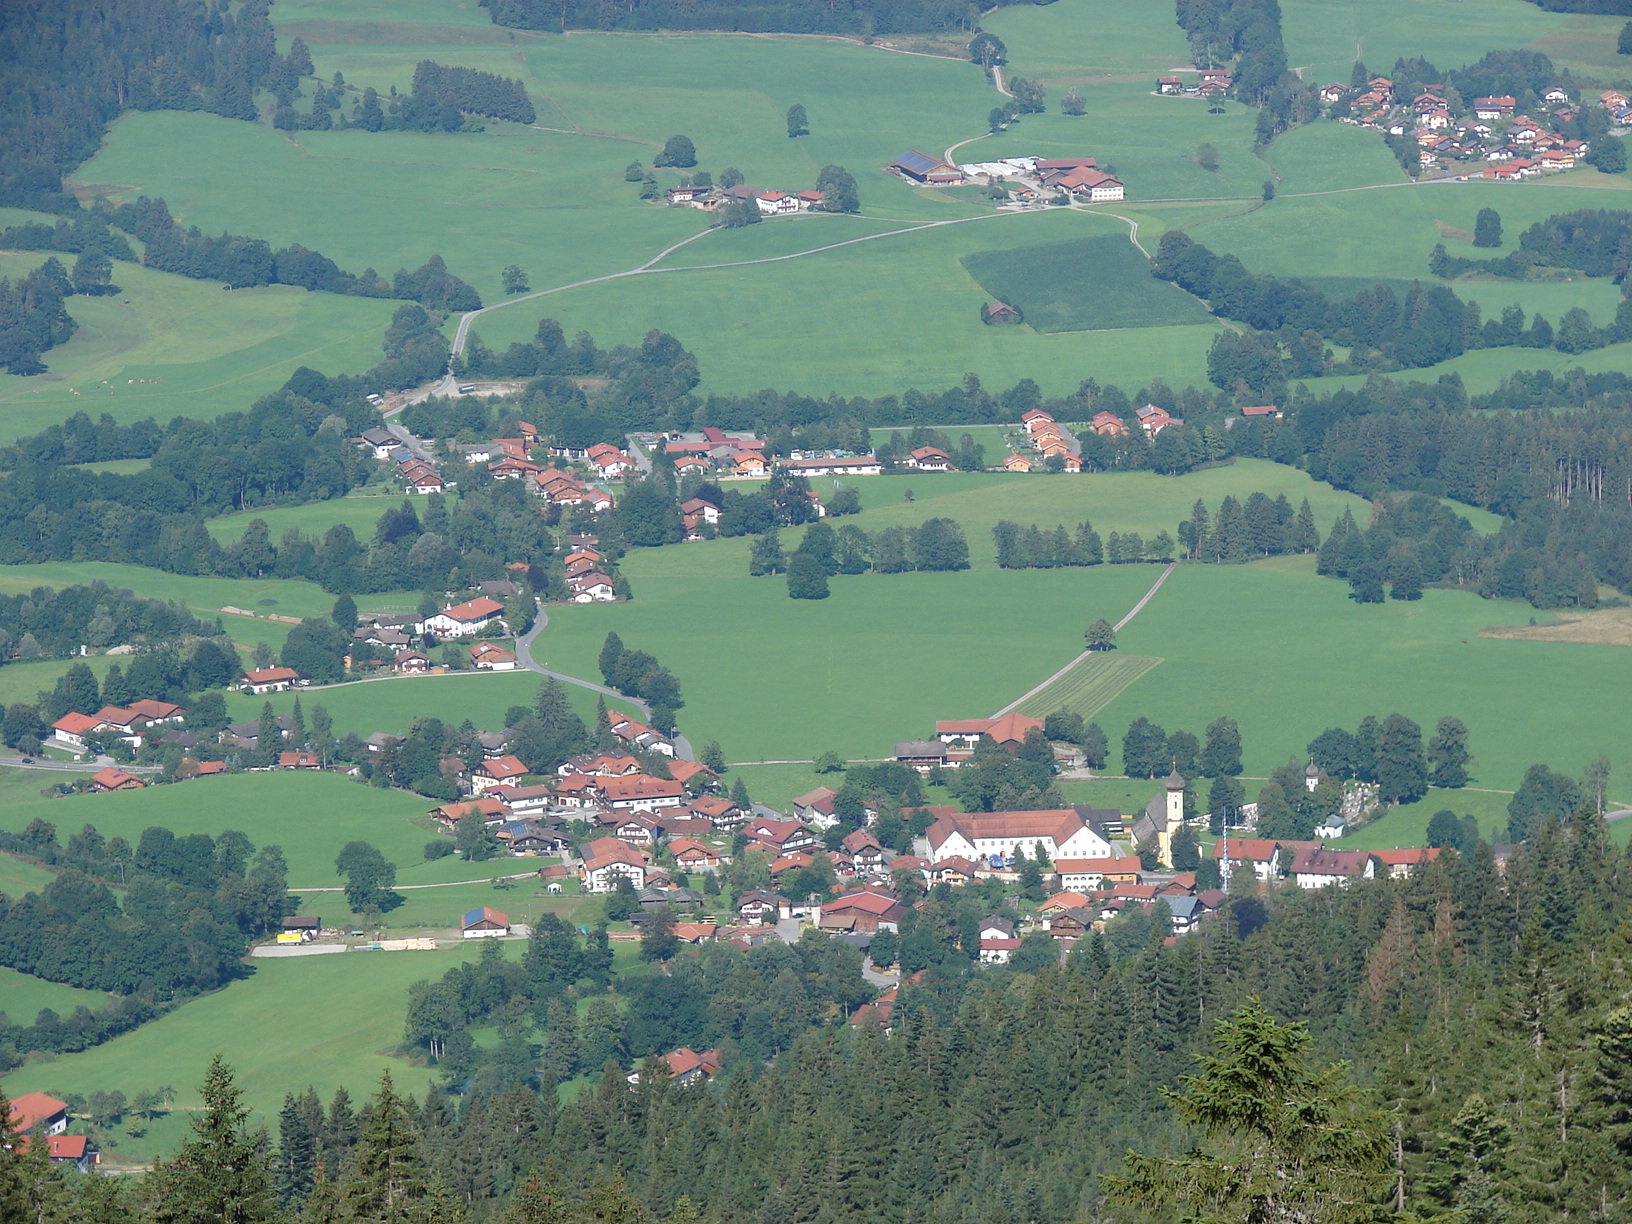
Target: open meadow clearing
23,996
310,815
207,596
392,704
168,346
18,876
327,1021
360,511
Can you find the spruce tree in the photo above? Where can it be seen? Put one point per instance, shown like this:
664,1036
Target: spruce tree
1448,756
388,1177
221,1175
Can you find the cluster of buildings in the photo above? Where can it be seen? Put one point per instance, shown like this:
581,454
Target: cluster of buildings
38,1118
1045,438
1209,83
1507,145
1027,178
718,453
771,203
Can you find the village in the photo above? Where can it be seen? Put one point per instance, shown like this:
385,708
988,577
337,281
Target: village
1487,132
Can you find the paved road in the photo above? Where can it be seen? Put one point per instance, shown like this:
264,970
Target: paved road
17,762
525,875
524,653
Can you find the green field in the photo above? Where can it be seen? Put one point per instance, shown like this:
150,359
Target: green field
206,596
392,704
18,876
310,815
23,996
1091,284
361,512
327,1021
168,346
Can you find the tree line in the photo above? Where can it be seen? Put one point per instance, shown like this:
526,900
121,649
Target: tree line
754,16
1292,321
936,545
188,909
34,317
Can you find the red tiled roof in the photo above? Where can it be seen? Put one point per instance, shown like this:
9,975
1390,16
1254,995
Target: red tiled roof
480,608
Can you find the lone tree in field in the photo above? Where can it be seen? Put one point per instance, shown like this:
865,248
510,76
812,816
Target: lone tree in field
1101,635
515,280
1279,1139
996,118
1072,103
838,188
1206,157
987,50
1487,228
798,122
678,152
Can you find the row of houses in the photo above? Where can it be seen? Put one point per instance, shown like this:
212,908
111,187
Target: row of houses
129,724
770,202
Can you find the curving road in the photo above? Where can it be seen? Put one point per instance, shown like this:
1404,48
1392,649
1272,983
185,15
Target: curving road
524,653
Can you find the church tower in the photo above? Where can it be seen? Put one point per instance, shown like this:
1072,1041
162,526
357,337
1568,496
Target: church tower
1175,817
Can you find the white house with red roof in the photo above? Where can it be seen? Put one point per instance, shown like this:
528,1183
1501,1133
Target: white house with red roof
73,727
982,836
606,860
466,619
501,771
270,680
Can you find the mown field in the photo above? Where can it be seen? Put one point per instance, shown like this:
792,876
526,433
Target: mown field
168,346
361,512
1093,284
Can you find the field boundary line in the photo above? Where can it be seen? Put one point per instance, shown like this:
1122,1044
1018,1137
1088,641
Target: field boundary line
1076,662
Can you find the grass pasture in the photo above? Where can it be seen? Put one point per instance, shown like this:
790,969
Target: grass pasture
1091,684
328,1021
23,996
1090,284
19,876
392,704
168,346
310,815
360,512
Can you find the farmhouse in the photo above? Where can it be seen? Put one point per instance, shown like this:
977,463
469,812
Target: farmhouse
491,810
269,680
928,459
1094,185
1108,426
1170,85
1318,867
1008,729
1397,864
921,754
35,1114
111,779
500,771
1093,874
641,791
816,807
73,727
1017,463
918,167
410,662
466,619
484,923
1058,833
866,909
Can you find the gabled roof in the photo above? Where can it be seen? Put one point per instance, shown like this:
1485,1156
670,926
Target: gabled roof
480,608
75,723
483,914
